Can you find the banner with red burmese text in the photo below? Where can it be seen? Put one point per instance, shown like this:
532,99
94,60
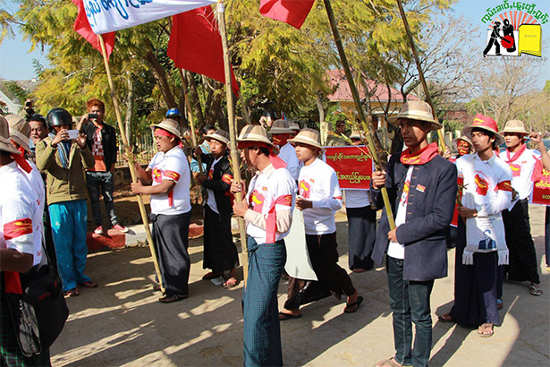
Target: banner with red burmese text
352,165
541,190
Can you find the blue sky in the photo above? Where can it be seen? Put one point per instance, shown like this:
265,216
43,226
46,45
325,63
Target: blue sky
16,60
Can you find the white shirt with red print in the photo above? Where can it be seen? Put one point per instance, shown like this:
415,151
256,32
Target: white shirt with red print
396,249
318,183
172,166
522,170
19,211
271,196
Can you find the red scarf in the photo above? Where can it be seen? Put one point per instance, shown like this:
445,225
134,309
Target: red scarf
280,139
21,161
516,154
421,157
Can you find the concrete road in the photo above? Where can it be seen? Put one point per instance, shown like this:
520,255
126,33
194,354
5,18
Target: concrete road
122,324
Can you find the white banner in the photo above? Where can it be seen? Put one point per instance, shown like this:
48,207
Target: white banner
112,15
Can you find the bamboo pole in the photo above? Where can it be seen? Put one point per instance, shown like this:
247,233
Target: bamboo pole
131,162
357,100
442,144
190,116
232,134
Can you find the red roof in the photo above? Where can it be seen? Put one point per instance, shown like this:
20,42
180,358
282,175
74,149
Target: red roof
378,91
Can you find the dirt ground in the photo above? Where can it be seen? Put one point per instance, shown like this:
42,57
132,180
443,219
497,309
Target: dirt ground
122,324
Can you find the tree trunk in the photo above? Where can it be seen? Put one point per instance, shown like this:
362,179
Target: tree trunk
160,75
195,101
323,125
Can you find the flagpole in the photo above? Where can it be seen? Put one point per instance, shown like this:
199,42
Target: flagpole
232,134
131,162
357,100
190,117
442,144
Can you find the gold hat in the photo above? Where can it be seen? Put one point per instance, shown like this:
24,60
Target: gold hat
220,135
254,134
20,131
172,126
515,127
418,111
309,137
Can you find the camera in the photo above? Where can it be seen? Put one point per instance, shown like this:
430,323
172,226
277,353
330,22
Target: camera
28,104
93,116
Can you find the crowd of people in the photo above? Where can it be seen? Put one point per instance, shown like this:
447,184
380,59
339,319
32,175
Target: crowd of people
45,163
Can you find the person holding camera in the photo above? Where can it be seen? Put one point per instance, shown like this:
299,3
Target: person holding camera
101,139
63,156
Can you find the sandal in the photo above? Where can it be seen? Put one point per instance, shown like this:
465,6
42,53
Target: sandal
446,317
230,283
534,290
486,330
72,292
390,362
354,306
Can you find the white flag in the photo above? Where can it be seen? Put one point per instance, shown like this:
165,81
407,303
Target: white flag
112,15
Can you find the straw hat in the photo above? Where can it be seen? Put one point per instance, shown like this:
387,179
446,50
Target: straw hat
294,126
418,111
307,136
280,127
220,135
485,123
254,134
172,126
515,127
5,144
356,134
465,138
20,131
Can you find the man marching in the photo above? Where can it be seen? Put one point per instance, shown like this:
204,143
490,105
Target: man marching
220,253
481,246
422,188
167,180
523,258
319,198
267,210
19,251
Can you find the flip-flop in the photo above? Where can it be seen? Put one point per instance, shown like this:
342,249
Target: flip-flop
287,316
354,306
534,290
484,330
230,283
210,275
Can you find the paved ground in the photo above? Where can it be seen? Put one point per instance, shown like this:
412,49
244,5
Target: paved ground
122,324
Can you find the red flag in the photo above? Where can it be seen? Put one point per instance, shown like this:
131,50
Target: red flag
196,45
293,12
82,27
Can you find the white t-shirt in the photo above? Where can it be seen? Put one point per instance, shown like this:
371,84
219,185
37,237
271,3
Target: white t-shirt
522,170
318,183
211,200
396,249
356,198
288,154
173,166
19,209
265,188
487,186
37,185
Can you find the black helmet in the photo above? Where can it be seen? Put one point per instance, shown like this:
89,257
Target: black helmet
58,117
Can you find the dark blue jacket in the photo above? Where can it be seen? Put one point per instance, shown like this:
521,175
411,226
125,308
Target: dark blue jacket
430,209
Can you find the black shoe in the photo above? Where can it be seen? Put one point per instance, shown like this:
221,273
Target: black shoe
173,298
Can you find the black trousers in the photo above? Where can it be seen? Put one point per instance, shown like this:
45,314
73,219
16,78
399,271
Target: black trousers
361,237
324,260
523,257
220,253
171,238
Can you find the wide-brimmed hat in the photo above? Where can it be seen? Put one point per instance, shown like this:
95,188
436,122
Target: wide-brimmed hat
172,126
20,131
465,138
280,127
418,111
356,134
515,127
294,126
220,135
5,144
485,123
253,134
309,137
